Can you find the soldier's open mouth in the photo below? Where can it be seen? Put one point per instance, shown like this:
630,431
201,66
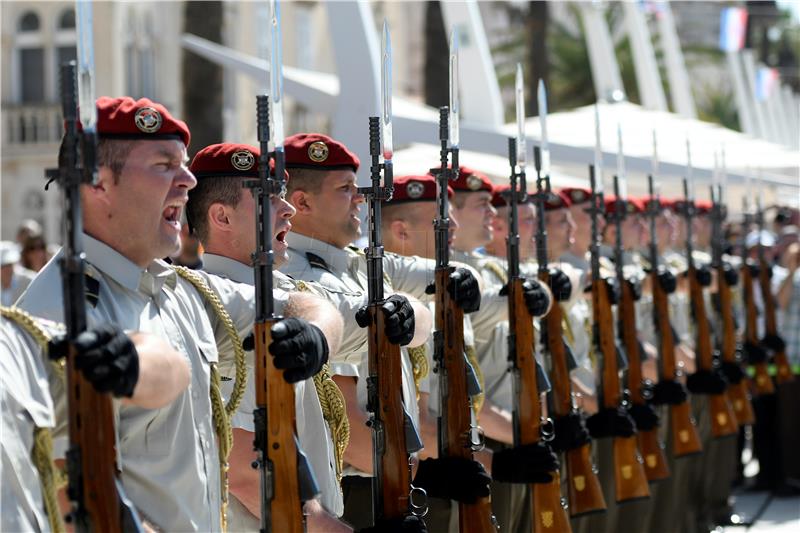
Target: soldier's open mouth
281,236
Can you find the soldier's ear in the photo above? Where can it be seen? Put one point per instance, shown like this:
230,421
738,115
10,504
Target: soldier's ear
218,217
399,230
300,200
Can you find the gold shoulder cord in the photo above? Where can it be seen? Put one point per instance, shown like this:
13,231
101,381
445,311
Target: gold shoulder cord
477,400
221,413
333,405
42,453
419,364
497,270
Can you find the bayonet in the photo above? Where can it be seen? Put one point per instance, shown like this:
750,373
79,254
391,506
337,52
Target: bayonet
541,94
453,133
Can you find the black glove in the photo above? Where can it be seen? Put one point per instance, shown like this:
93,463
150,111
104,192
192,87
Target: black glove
299,348
731,274
774,343
706,382
406,524
464,289
703,274
560,285
667,280
754,353
733,372
754,268
668,391
528,463
106,357
536,298
644,415
453,478
636,289
570,433
611,422
399,319
613,290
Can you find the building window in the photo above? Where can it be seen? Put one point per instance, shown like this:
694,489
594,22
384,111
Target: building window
67,20
31,75
29,21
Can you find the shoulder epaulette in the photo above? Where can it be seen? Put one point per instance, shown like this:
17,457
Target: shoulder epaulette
92,290
317,262
356,249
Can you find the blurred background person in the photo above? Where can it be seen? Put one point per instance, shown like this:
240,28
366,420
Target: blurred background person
28,228
14,278
34,253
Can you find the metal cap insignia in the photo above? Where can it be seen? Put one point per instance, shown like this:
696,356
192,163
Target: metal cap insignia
148,120
243,160
474,182
414,189
318,151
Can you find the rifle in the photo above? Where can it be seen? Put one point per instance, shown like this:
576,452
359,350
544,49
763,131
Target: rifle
685,438
287,479
99,502
650,446
458,436
762,379
630,480
738,394
783,370
392,480
723,421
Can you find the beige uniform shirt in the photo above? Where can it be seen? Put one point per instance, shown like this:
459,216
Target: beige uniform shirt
168,456
312,430
341,272
26,404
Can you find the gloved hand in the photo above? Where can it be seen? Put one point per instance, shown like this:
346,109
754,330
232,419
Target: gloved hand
399,319
733,372
464,289
453,478
611,422
536,298
406,524
105,356
703,275
774,343
636,288
731,274
706,382
613,290
645,416
570,433
753,267
560,285
754,353
299,348
668,391
667,280
528,463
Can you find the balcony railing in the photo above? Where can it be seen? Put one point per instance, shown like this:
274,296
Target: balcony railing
25,124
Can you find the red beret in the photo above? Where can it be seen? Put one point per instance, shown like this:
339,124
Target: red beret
703,207
557,200
471,181
577,195
632,205
228,160
676,205
500,195
143,119
416,189
318,152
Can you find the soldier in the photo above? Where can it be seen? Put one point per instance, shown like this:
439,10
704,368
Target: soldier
140,370
171,468
221,212
407,229
322,188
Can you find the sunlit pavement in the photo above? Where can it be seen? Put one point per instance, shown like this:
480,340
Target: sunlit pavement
781,515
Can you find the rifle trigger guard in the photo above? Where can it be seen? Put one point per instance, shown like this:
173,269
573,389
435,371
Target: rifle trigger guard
477,438
418,509
547,430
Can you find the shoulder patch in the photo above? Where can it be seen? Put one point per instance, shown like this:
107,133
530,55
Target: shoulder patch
92,290
317,262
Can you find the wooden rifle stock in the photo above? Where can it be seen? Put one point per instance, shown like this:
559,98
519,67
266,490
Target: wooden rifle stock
584,491
655,460
472,517
384,361
276,397
549,514
783,372
723,421
630,480
763,381
738,394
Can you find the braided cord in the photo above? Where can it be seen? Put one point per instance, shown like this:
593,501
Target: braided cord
42,452
497,270
240,382
333,405
472,357
419,364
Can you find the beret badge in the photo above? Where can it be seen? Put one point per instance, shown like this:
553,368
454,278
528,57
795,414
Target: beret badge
243,160
148,120
318,151
474,183
414,189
